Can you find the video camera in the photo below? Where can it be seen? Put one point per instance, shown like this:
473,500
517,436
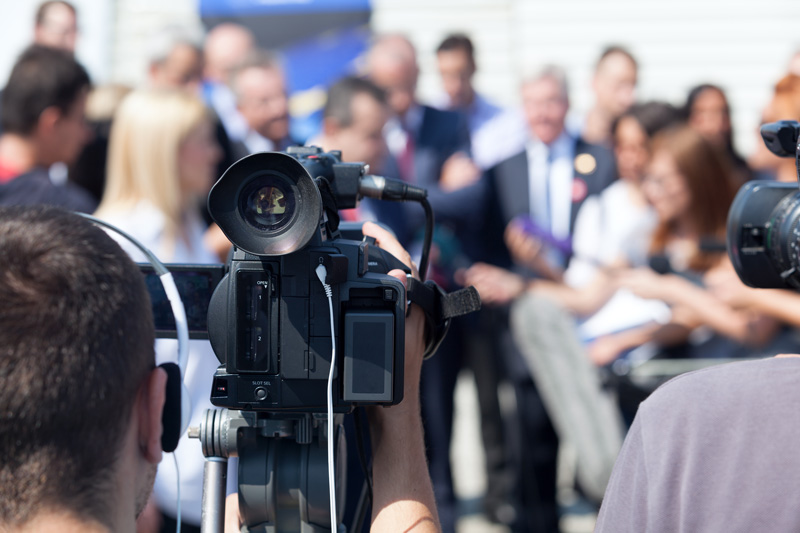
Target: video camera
298,286
764,220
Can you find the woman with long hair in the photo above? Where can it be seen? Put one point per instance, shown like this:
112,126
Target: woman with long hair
707,111
689,187
161,165
161,161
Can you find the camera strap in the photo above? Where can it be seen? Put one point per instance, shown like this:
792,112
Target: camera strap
439,308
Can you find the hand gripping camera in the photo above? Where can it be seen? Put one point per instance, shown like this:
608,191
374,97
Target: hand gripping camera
273,330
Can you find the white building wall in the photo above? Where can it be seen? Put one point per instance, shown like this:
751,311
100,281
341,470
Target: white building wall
742,45
113,34
136,21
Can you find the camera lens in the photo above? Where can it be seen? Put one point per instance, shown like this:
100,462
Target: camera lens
267,203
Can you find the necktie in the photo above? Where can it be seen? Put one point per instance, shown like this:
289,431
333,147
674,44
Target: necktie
405,161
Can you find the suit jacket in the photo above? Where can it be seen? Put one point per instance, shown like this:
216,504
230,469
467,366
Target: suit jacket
507,193
439,135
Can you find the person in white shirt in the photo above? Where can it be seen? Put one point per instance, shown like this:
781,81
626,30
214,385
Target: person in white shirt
226,47
162,156
261,98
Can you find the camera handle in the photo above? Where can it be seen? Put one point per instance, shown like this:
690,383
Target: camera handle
440,308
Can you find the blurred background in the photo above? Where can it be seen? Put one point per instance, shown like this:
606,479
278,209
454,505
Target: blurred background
743,46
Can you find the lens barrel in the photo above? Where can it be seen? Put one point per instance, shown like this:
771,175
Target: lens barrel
266,204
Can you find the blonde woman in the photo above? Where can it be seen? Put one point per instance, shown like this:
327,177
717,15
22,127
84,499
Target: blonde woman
161,164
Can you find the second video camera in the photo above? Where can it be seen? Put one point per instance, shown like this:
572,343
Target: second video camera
764,220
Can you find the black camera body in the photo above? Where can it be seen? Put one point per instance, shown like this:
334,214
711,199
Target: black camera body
269,320
764,220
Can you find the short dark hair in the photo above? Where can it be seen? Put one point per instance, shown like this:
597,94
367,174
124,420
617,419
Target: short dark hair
458,41
42,77
339,104
615,49
76,342
653,117
41,12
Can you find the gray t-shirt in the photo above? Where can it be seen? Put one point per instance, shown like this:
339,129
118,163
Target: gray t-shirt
717,450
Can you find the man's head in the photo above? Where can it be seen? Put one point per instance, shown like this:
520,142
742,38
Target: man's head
226,46
175,59
78,400
614,81
456,60
44,102
56,25
261,98
392,66
545,102
353,119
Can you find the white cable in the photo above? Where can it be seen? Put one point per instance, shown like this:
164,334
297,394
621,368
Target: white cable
322,274
178,482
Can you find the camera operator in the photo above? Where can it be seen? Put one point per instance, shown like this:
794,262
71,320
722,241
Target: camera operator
81,398
81,404
402,492
713,450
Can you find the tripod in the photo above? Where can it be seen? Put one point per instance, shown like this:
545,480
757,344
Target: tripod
283,476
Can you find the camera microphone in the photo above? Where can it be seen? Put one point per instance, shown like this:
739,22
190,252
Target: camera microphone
382,188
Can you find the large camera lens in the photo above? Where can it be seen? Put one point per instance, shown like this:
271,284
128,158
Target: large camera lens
267,204
764,234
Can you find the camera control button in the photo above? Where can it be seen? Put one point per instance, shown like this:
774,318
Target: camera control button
261,393
389,295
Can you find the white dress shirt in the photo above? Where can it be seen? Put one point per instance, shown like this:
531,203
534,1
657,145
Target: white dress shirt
550,173
495,133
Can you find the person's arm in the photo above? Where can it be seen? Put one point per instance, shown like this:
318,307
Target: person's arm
607,348
584,301
402,498
780,304
402,493
696,301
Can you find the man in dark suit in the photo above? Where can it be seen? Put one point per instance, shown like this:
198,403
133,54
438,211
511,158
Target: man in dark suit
547,182
430,148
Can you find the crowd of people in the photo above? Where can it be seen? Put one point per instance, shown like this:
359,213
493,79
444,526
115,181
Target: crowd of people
591,240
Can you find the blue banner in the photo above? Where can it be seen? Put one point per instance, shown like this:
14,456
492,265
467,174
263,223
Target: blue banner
233,8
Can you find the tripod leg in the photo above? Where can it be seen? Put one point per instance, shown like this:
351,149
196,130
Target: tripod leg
215,475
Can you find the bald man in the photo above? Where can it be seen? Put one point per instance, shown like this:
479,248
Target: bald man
614,87
56,25
431,148
427,146
226,48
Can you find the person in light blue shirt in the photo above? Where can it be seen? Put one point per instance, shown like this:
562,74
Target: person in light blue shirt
495,133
